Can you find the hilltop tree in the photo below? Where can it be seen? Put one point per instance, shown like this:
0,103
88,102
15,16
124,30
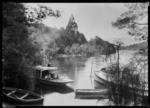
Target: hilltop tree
72,26
73,35
71,30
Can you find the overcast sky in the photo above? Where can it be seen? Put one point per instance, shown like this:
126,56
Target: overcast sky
92,18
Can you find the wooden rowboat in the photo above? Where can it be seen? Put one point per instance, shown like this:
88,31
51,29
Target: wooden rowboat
91,93
15,95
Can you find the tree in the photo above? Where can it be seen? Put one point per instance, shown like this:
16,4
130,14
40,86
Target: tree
72,26
135,20
118,45
80,38
35,15
75,48
84,48
71,30
124,91
67,50
140,64
101,46
19,53
52,49
63,40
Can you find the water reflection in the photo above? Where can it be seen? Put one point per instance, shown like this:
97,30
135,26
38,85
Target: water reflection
81,70
44,89
78,69
12,105
98,85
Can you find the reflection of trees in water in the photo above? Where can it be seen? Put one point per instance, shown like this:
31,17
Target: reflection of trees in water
20,81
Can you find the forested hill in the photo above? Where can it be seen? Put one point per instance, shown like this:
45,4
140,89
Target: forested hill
68,40
138,46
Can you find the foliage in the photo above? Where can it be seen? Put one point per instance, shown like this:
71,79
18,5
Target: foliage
67,41
35,15
75,49
101,46
120,92
135,20
133,81
61,38
27,42
73,35
19,51
143,45
67,50
85,49
52,49
44,37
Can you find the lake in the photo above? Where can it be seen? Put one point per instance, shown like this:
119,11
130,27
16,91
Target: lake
78,69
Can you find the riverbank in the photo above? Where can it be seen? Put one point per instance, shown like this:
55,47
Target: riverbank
85,55
66,55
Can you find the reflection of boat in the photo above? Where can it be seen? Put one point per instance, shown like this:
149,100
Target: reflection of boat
91,93
101,77
98,85
49,89
21,96
43,76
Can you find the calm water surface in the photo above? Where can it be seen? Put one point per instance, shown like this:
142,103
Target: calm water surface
79,69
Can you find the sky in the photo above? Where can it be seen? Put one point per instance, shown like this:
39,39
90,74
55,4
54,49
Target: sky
93,19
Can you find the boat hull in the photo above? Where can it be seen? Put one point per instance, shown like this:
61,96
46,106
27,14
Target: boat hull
12,99
99,79
90,93
107,83
52,82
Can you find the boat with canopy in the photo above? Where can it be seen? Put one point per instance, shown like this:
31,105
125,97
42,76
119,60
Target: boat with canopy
49,75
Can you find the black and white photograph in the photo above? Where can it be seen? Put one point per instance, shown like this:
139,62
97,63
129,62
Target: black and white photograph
74,54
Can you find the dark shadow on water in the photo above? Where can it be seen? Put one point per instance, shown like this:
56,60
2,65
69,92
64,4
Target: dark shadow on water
94,97
13,105
98,85
45,89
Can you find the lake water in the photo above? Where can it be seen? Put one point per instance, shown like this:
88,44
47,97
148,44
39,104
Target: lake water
78,69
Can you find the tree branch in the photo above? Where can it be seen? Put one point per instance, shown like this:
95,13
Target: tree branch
140,23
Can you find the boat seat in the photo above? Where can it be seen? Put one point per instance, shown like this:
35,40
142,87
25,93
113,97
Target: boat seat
16,96
24,96
11,92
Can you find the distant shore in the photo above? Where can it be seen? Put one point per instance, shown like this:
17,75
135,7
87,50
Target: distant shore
66,55
80,55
